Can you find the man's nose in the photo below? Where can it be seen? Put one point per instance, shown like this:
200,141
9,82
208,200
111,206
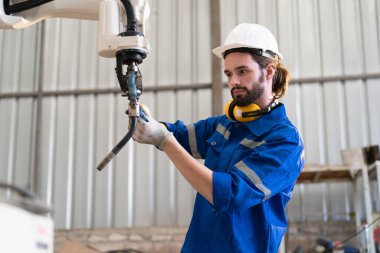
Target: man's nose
234,81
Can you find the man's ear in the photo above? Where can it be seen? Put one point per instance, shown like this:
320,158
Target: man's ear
270,71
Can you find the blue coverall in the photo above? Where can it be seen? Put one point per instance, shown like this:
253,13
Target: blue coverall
255,165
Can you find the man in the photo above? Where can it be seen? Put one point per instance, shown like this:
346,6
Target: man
253,154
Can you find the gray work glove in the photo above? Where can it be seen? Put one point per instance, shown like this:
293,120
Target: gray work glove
150,131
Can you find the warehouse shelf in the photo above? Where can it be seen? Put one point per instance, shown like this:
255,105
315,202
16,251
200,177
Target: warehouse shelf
317,173
351,172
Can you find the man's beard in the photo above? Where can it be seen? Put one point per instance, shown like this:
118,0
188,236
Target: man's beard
251,95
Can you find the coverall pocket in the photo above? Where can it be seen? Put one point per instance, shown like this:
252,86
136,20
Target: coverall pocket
216,142
213,156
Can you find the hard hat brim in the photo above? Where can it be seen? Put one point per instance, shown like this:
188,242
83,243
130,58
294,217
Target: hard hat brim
219,51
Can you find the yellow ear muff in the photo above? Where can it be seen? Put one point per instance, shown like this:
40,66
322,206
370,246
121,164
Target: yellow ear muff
241,113
240,110
227,110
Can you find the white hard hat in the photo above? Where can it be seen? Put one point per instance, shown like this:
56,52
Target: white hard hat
250,36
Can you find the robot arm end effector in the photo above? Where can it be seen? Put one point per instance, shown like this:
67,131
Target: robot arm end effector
121,35
130,48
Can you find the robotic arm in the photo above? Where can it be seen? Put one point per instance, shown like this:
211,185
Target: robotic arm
121,32
16,14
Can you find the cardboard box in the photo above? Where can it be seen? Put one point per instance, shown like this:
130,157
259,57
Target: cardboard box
358,157
72,246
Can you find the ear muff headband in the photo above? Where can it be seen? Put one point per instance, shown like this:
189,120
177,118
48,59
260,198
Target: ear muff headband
247,113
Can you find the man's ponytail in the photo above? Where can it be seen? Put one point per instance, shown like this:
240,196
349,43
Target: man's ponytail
280,80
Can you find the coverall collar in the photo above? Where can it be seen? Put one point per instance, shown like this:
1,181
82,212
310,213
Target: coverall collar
266,122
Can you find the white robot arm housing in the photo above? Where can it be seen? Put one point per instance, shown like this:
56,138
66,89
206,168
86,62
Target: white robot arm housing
112,16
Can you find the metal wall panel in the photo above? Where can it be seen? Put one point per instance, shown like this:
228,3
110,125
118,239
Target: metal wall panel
19,52
61,136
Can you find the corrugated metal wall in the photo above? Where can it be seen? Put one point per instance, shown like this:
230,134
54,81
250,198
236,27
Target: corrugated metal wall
61,110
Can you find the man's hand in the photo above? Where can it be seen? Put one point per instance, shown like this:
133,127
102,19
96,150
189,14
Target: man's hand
151,132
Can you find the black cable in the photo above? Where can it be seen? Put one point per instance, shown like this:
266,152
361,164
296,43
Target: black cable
120,145
19,7
356,234
29,202
131,17
22,192
127,137
125,251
